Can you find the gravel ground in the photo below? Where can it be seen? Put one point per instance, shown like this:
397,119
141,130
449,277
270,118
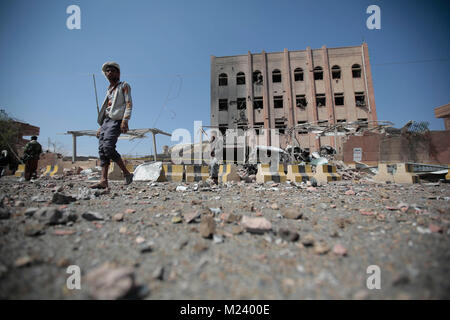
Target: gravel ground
320,243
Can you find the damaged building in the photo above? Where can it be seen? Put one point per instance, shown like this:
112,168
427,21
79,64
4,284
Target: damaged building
281,90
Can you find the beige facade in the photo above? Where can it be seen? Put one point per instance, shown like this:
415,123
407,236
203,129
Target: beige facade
444,113
282,89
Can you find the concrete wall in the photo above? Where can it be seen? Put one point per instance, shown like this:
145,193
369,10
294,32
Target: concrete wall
433,148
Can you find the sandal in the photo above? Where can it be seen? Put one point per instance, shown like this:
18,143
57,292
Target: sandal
99,186
128,178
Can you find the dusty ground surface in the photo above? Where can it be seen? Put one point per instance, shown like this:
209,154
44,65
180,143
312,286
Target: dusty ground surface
344,228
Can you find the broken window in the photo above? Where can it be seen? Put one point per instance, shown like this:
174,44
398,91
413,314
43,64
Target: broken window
223,79
323,123
336,72
240,78
339,99
356,71
241,103
223,104
257,77
257,103
258,127
300,101
341,121
364,124
302,130
298,74
320,100
280,125
318,73
276,75
360,99
223,128
278,101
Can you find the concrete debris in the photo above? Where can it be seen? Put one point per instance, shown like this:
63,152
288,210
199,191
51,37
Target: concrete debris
54,216
207,227
292,213
288,235
59,198
256,225
227,241
148,172
4,213
110,283
92,216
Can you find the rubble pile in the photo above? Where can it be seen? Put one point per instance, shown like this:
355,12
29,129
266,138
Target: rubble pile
237,240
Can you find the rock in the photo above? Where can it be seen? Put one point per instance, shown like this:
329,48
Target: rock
215,211
217,239
423,230
350,192
207,227
191,216
256,225
147,247
292,213
236,230
23,262
64,232
53,216
321,248
39,199
4,213
435,228
140,240
123,230
59,198
19,203
110,283
181,188
176,219
288,235
129,211
340,250
308,240
92,216
118,217
86,194
275,206
158,274
30,212
34,230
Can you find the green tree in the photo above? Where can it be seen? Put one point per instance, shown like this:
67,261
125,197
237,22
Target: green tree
8,136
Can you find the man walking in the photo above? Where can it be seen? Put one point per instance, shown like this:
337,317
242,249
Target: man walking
113,119
31,158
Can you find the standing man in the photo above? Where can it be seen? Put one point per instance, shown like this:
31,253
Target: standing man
31,157
3,162
113,119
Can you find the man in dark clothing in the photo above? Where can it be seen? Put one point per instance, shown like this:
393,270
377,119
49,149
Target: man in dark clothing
31,157
4,162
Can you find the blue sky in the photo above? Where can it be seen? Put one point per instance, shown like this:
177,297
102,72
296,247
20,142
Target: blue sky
164,50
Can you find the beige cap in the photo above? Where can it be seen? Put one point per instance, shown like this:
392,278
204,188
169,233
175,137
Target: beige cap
110,63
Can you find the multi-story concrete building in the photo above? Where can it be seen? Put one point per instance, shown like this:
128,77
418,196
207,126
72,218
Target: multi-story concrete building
282,89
